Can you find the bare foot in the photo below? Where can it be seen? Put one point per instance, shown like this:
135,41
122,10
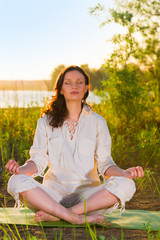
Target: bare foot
41,216
95,219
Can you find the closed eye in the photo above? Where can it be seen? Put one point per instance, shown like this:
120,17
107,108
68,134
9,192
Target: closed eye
67,83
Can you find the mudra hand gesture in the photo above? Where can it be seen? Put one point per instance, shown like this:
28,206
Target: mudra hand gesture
134,172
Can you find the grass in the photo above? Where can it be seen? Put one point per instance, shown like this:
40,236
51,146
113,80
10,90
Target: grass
148,182
9,234
130,146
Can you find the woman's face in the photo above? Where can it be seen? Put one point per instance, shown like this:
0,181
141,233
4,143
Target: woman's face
74,87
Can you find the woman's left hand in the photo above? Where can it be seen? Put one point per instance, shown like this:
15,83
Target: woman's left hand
134,172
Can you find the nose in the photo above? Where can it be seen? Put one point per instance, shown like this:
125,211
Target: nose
74,85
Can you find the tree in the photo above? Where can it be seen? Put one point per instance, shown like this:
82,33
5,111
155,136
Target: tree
141,42
133,106
55,74
129,86
97,76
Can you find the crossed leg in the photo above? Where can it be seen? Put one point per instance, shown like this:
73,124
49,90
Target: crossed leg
50,210
99,200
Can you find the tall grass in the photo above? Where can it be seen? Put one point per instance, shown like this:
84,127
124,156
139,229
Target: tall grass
130,146
9,234
17,127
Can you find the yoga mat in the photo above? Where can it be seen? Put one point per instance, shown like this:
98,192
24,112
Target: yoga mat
130,219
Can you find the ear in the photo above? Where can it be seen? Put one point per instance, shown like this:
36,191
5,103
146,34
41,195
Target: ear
61,92
86,88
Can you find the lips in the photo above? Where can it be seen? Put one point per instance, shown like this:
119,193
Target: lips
74,93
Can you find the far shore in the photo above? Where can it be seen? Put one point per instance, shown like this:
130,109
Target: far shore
24,85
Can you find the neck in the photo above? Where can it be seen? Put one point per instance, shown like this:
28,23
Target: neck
74,111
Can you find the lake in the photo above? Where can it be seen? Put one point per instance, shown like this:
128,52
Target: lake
24,99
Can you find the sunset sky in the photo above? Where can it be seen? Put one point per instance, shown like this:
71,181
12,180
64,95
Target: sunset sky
38,35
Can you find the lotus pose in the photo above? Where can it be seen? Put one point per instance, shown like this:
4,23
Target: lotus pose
75,144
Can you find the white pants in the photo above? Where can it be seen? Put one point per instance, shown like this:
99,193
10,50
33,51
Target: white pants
123,188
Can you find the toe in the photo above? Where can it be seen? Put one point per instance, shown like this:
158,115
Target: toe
37,217
104,220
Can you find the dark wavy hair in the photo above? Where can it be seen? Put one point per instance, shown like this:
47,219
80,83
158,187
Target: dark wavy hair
56,109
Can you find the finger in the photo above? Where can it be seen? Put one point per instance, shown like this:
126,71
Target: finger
9,163
15,168
134,173
140,171
12,166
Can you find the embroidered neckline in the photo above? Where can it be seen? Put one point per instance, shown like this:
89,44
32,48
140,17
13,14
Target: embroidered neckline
71,127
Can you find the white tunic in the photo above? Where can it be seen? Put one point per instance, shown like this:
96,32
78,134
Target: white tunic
92,149
72,174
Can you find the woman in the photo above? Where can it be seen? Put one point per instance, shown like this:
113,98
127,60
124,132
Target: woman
73,141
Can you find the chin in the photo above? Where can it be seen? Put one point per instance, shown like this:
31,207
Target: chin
74,99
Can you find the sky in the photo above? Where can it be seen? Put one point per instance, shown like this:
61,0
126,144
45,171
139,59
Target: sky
38,35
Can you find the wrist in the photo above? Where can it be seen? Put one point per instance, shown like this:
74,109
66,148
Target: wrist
28,169
123,173
21,170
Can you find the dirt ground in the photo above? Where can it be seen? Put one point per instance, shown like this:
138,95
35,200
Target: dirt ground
145,198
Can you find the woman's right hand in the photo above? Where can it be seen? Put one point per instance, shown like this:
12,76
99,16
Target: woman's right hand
12,167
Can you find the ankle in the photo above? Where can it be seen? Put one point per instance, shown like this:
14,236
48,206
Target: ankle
80,219
77,211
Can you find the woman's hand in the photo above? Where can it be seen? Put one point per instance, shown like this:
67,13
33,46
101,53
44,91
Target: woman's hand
134,172
29,168
13,167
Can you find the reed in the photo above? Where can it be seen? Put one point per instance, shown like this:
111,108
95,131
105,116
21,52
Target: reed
131,145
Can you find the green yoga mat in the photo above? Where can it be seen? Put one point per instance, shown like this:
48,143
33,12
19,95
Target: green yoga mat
131,219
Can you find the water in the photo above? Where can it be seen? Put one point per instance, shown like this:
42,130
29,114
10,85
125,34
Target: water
24,99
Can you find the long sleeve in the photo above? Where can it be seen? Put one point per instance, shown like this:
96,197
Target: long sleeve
103,147
38,152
